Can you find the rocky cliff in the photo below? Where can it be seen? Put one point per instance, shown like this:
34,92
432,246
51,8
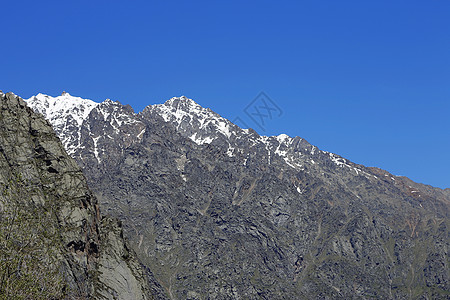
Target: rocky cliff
219,212
54,241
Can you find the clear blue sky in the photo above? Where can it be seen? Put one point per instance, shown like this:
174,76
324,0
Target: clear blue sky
368,81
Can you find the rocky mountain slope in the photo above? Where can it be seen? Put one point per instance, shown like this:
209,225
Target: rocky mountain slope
219,212
54,241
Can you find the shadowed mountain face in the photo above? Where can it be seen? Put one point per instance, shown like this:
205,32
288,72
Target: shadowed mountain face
218,212
53,237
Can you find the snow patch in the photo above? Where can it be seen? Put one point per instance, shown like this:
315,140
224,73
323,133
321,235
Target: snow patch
282,138
139,136
96,148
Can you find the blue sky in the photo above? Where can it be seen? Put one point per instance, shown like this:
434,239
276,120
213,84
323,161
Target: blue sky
367,80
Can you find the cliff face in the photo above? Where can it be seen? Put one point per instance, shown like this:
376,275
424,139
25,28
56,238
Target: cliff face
217,212
51,222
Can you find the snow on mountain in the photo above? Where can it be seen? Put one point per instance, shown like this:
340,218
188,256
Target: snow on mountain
201,125
66,113
55,109
115,114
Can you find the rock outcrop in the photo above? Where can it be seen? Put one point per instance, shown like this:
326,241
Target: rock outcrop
41,182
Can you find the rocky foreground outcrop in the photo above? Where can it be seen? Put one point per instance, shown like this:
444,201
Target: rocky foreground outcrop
52,229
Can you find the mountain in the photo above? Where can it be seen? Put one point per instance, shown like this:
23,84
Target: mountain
219,212
54,242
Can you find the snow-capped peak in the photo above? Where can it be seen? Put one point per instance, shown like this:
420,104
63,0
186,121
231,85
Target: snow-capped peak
179,107
200,124
56,109
282,137
66,113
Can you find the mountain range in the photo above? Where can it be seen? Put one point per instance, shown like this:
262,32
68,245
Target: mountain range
214,211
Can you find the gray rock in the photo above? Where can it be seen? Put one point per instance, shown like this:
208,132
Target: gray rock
36,173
